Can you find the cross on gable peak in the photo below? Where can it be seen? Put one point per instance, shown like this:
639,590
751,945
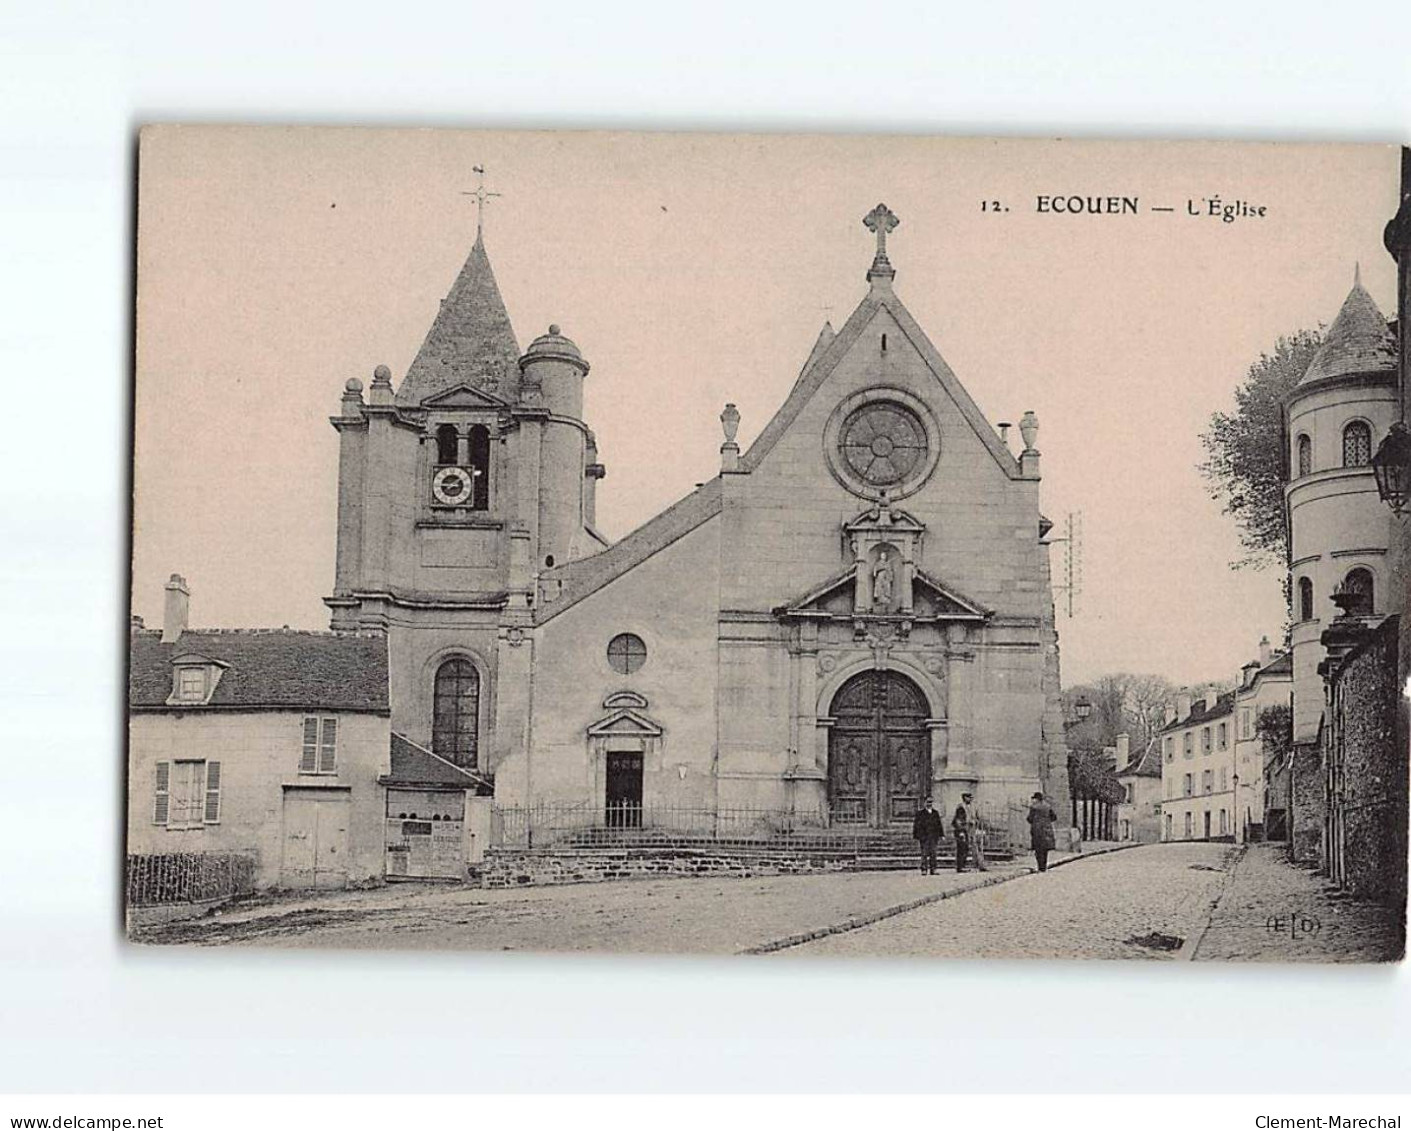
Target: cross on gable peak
880,221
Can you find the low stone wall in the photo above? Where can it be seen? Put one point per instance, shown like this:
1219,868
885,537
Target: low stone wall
503,868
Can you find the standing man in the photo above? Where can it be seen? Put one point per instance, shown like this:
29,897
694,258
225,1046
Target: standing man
968,834
927,828
1041,819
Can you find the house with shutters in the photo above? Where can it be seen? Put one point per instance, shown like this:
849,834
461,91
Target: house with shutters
276,745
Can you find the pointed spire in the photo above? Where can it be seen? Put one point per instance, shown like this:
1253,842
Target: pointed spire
471,342
1359,340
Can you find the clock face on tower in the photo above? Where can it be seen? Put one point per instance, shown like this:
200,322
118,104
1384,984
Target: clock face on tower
453,486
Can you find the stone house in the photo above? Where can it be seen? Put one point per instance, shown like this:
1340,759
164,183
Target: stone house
1198,769
1139,813
276,746
1261,803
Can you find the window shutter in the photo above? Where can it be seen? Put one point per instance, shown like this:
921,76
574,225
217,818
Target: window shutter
308,763
161,808
212,792
327,755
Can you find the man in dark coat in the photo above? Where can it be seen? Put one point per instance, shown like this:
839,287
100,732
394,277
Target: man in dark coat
927,828
1041,819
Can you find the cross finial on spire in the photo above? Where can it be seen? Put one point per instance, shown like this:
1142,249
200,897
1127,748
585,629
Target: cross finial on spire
881,220
481,196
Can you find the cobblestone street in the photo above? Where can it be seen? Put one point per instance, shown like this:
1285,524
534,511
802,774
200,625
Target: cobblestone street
1177,901
1153,902
684,916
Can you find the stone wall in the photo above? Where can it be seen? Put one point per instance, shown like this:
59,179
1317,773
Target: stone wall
1367,783
508,869
1306,804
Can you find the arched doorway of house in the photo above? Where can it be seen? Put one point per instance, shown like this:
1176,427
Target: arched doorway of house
879,750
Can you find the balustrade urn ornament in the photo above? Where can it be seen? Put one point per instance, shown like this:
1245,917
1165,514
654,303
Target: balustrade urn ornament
1029,429
730,422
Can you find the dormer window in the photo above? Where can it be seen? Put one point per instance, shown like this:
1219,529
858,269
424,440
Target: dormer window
191,684
194,678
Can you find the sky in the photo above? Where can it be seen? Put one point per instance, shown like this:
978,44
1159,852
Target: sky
695,269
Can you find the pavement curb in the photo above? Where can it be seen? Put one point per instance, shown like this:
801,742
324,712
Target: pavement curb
858,921
1187,952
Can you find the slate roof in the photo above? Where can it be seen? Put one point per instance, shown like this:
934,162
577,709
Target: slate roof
414,765
1223,705
271,669
470,339
1359,341
1147,766
1281,665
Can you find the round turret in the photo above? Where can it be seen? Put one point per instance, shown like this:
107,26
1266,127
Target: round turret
554,365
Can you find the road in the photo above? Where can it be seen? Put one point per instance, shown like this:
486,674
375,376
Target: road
1154,902
1201,902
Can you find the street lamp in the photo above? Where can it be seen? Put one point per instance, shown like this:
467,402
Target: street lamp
1392,467
1082,707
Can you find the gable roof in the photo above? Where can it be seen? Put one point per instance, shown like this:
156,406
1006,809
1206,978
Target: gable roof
821,364
415,765
269,669
1359,341
470,340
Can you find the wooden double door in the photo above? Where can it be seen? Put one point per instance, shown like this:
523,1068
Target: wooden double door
879,751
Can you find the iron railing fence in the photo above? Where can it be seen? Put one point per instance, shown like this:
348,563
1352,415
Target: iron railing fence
187,877
567,825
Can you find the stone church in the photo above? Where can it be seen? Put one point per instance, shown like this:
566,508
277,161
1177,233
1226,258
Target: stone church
853,615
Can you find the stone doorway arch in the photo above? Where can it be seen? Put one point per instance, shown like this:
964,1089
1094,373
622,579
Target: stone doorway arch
879,750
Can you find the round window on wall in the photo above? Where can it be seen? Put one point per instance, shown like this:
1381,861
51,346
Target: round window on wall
626,653
883,443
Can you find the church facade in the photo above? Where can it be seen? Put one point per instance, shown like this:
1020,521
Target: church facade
853,615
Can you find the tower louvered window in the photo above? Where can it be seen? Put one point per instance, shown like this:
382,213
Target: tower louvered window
1305,456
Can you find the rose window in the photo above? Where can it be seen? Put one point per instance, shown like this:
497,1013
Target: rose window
882,443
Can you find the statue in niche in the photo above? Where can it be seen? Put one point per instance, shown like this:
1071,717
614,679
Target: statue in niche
883,582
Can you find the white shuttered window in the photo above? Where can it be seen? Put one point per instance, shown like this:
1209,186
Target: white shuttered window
320,751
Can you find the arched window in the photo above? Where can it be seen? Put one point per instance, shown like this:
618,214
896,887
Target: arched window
455,725
1305,456
1305,599
446,444
1356,445
1359,582
480,463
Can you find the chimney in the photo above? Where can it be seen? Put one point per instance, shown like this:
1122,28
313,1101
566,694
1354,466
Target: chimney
1124,750
1266,653
177,611
1248,672
1170,714
1183,705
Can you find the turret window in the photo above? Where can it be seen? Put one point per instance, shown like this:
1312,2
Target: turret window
1305,599
1305,456
1359,583
1356,445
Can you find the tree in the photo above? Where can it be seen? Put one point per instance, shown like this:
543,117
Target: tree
1275,727
1246,464
1122,703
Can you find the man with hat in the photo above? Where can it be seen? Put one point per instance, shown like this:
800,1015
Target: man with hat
927,828
968,834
